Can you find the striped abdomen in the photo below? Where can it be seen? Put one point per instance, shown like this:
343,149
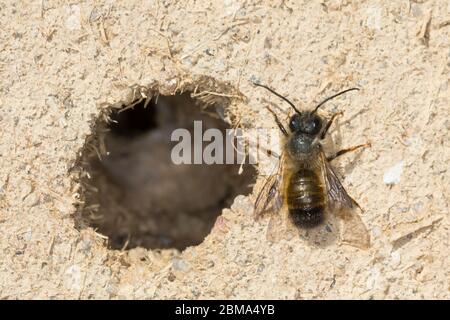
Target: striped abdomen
305,198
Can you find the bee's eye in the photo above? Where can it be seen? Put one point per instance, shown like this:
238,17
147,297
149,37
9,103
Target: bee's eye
316,123
294,122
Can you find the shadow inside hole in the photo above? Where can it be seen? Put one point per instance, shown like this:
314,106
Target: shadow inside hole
133,122
137,196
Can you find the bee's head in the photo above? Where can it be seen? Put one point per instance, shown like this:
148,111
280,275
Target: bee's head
305,122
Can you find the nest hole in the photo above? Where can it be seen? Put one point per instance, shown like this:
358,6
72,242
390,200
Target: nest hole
133,192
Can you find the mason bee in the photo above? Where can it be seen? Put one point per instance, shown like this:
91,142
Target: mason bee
306,185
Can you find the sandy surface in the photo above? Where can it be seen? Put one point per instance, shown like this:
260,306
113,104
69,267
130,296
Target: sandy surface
62,65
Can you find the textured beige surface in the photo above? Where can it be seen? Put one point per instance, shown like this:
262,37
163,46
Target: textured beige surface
61,64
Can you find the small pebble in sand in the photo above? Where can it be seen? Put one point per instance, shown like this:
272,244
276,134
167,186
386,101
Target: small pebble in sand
392,175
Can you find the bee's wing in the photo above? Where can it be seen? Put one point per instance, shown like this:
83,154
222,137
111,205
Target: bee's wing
270,197
353,232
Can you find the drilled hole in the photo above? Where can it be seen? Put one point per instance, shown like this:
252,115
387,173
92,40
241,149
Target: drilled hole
136,196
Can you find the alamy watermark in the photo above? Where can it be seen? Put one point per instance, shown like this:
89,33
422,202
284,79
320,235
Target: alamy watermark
232,146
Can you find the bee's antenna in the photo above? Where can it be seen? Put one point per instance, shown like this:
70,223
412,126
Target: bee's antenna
332,97
278,95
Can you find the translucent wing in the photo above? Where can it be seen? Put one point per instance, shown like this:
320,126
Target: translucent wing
353,231
270,197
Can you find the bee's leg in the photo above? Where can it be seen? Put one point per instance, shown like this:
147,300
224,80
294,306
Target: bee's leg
343,151
324,132
280,125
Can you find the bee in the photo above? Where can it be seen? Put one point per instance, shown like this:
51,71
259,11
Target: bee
304,182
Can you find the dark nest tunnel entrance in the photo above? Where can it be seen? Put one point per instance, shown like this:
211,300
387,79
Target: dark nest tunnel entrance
136,196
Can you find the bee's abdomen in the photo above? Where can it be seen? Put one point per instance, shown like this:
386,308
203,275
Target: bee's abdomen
305,198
